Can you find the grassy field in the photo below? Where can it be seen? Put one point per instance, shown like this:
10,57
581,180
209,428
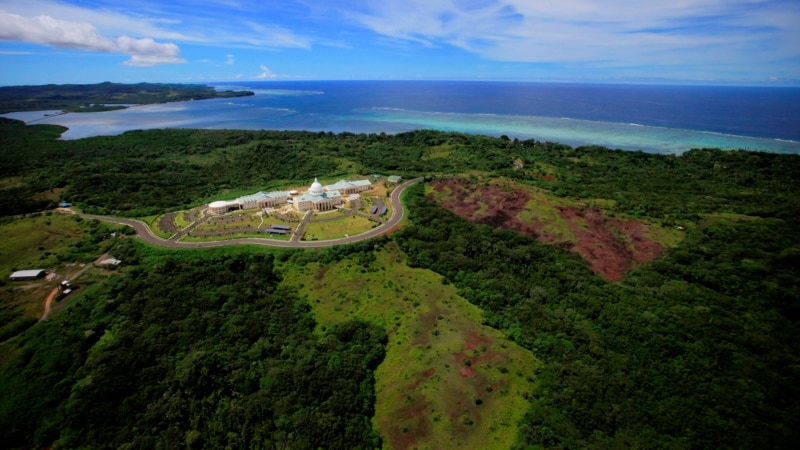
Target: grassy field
181,220
41,242
225,237
32,243
379,189
447,381
351,225
152,222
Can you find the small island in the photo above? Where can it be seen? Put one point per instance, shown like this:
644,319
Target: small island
103,96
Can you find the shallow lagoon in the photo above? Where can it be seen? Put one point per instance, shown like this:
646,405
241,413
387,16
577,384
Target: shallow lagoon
375,107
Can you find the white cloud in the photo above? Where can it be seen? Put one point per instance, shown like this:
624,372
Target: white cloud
266,74
105,18
234,24
147,52
273,36
229,59
613,31
47,30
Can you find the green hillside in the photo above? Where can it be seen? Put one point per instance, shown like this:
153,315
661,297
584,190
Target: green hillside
488,320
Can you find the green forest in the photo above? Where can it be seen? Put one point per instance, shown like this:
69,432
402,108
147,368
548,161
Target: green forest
698,348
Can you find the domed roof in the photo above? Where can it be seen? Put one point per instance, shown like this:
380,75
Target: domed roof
316,187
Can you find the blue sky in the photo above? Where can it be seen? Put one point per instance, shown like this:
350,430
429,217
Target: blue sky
213,41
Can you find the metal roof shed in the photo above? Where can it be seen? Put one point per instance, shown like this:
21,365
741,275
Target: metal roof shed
23,275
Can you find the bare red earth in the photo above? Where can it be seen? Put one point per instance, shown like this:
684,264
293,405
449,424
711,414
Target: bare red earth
610,247
411,424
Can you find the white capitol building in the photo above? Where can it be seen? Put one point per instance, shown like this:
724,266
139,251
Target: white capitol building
316,198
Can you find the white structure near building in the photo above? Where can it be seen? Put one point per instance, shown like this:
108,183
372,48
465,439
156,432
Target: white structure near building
252,201
316,198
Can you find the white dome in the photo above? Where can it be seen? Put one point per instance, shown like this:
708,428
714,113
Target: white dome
316,187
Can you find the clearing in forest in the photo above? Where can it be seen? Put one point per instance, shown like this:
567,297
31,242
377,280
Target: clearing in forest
447,380
612,247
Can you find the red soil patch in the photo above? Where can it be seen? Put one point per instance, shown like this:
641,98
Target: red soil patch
474,339
644,248
465,361
610,247
423,376
455,394
410,424
489,205
548,178
464,410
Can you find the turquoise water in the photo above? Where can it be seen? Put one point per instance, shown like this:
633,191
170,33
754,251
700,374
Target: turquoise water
654,119
582,132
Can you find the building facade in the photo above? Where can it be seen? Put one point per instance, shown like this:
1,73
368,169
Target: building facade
316,198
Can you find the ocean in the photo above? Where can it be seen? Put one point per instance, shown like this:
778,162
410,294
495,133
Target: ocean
661,119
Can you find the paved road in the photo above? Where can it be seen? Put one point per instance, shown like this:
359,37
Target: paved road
144,232
300,229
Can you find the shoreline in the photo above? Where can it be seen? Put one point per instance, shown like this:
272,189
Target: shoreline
338,110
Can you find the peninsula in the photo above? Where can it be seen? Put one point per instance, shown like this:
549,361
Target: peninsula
103,96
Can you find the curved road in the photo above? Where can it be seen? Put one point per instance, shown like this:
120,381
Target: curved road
144,232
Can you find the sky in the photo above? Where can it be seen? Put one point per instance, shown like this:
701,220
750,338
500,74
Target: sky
213,41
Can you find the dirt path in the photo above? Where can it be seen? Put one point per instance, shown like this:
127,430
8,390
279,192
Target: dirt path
48,302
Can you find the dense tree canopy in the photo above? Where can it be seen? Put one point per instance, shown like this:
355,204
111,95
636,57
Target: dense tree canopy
192,351
696,349
147,172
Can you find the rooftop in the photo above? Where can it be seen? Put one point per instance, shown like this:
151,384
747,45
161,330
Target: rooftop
343,184
318,198
27,273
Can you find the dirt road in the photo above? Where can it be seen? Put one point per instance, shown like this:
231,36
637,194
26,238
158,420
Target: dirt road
47,304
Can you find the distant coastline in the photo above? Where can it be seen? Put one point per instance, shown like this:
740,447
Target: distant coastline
103,97
655,119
